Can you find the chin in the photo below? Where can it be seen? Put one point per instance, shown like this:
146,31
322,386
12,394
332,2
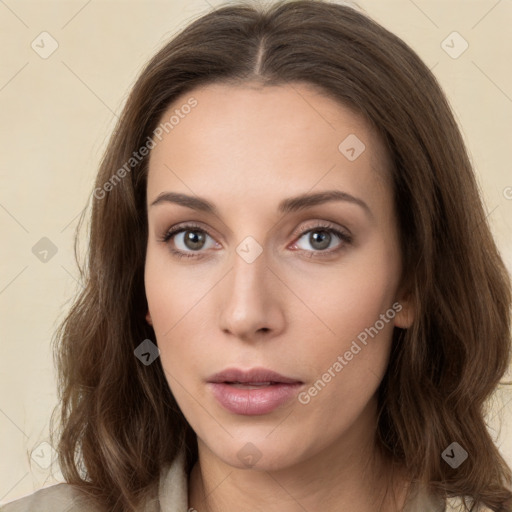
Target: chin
258,453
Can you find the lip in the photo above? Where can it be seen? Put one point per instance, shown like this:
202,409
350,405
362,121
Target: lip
251,375
236,391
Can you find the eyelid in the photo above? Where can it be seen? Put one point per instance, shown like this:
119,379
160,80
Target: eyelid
183,226
324,224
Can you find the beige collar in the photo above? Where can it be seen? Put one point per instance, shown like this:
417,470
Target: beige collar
173,493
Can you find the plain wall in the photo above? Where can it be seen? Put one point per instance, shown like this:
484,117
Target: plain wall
58,112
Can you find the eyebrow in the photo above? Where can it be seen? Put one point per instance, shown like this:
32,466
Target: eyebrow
291,204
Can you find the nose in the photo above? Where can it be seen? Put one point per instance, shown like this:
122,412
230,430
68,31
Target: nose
251,300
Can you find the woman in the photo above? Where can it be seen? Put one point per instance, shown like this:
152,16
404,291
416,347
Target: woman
293,298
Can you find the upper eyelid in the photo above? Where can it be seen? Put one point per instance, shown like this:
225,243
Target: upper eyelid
328,225
197,225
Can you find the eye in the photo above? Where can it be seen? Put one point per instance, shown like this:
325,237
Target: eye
189,239
323,237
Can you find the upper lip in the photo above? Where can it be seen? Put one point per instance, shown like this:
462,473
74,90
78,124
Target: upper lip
251,375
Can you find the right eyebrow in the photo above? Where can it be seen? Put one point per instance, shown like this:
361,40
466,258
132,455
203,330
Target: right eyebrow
196,203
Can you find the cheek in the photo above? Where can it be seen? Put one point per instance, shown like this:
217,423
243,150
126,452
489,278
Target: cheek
170,310
351,296
174,294
350,356
347,367
177,298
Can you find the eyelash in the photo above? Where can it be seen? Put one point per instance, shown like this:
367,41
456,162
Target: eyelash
345,237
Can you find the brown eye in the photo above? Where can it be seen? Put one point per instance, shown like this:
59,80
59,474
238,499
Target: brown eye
194,239
321,238
185,240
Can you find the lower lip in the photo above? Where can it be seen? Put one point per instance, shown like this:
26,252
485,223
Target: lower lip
251,402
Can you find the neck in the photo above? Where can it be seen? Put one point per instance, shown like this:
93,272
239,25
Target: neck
348,476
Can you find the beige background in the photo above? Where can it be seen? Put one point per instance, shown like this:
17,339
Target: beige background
58,112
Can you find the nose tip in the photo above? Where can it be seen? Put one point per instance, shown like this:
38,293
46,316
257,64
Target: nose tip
251,306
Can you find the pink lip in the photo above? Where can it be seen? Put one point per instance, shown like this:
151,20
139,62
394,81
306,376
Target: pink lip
247,401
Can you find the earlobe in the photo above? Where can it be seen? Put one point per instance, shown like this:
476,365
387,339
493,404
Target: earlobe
148,319
404,313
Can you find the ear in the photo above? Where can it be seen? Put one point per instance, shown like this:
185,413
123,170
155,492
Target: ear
405,311
148,318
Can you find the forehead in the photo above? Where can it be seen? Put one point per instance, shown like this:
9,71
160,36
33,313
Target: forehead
250,139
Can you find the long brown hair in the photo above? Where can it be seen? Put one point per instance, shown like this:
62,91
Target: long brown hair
119,423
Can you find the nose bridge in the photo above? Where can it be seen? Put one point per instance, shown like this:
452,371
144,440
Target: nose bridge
248,302
249,263
248,275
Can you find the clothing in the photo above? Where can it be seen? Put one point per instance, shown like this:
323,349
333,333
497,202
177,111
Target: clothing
172,497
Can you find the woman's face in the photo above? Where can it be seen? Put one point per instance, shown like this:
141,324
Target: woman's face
266,280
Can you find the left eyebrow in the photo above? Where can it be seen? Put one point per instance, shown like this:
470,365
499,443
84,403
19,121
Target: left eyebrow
288,205
304,201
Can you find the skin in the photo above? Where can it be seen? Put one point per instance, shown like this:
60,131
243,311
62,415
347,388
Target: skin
245,148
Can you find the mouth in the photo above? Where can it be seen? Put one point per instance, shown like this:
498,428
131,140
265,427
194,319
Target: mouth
252,392
258,377
251,385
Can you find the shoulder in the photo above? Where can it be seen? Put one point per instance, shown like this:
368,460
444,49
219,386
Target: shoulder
457,505
422,499
56,498
172,495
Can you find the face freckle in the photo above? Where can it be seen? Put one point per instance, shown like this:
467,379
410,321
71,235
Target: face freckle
290,289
